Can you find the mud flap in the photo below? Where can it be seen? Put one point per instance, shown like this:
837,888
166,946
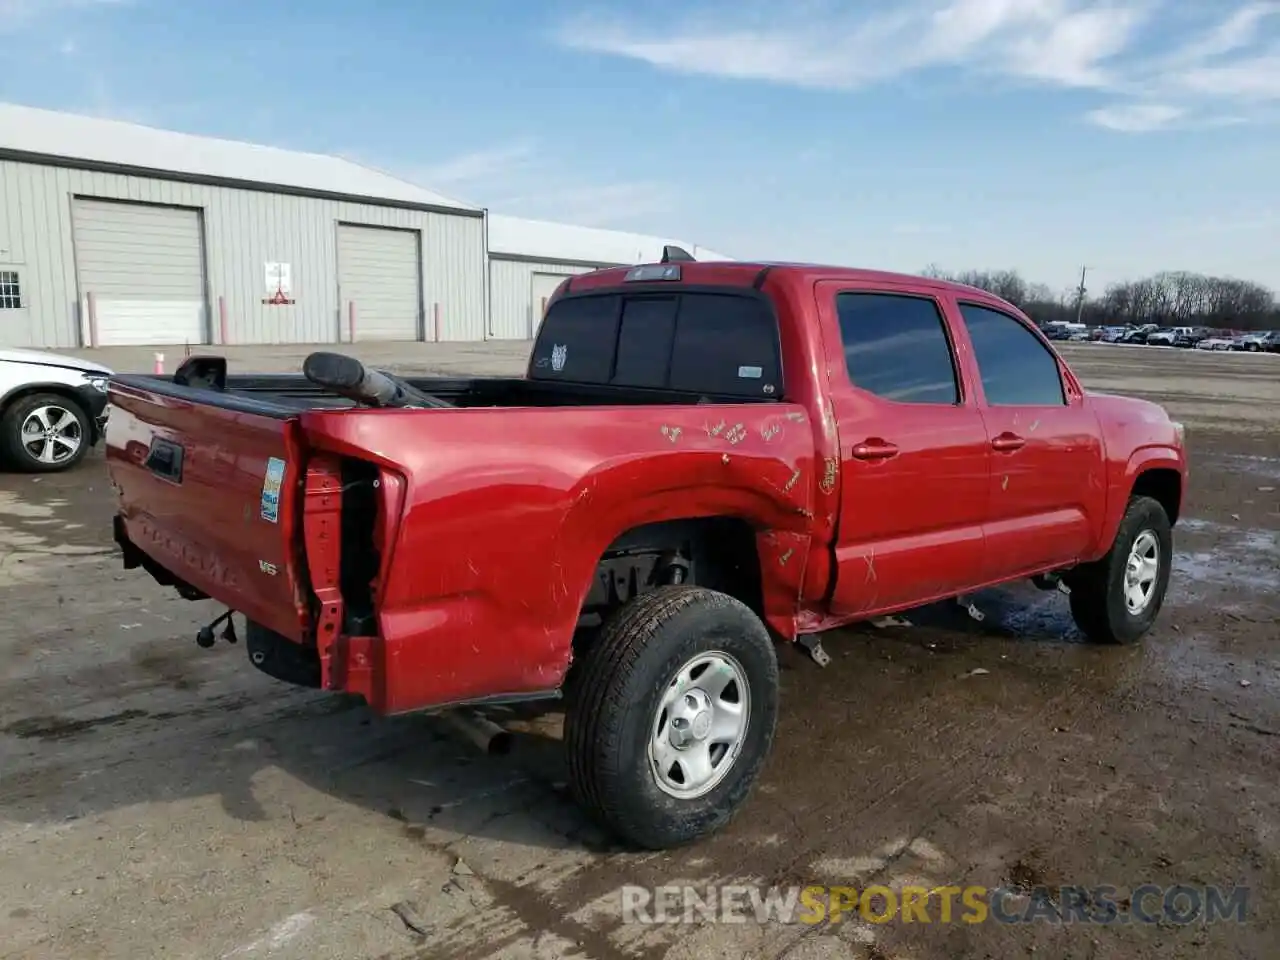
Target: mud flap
281,658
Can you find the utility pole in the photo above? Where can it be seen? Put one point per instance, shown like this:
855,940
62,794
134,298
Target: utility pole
1080,292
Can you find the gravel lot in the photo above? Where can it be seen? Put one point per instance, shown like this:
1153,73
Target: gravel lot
157,799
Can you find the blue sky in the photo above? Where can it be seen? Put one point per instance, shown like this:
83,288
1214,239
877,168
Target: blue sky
1129,135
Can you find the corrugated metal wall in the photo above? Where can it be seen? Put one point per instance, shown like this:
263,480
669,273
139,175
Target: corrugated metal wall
244,231
510,294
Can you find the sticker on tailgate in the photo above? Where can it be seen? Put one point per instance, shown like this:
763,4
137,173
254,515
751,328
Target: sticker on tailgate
271,484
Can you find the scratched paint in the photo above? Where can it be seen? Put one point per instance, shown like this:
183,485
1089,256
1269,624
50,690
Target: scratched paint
671,433
829,468
1004,484
785,556
715,431
790,484
737,433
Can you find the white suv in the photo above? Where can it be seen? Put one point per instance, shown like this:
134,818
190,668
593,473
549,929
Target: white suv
52,409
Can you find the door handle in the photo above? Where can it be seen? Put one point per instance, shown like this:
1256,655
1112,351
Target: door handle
1007,442
874,449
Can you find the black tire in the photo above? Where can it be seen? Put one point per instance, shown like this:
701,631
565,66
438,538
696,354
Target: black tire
20,456
624,676
1098,589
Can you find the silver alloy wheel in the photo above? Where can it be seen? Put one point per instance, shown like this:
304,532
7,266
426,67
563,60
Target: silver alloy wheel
700,725
51,434
1141,571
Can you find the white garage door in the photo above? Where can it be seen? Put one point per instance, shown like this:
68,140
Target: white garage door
378,273
541,289
144,266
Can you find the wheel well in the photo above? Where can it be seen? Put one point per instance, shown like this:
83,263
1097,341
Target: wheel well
57,389
1162,485
714,552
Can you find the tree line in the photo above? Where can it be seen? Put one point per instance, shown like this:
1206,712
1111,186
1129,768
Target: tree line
1170,299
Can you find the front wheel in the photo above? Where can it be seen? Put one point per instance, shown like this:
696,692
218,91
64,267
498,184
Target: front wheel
674,716
44,433
1116,599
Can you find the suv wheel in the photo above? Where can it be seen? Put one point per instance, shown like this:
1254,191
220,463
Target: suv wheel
1116,599
44,433
675,714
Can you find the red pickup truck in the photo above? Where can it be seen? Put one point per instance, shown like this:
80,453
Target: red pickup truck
703,460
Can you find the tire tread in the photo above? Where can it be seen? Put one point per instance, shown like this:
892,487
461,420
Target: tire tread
594,735
1091,584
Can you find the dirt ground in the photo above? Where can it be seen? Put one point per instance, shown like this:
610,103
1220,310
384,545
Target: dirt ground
157,799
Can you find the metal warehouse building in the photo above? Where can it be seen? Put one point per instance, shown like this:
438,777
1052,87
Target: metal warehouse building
113,233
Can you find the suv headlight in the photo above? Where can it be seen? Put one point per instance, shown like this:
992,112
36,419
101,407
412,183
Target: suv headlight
97,381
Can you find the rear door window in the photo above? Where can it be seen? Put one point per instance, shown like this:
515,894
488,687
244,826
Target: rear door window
896,347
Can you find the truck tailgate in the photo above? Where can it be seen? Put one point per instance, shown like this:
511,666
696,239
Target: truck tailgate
208,490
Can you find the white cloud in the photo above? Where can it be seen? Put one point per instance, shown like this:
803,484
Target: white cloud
1168,60
1065,41
1135,117
616,205
482,165
522,178
1239,29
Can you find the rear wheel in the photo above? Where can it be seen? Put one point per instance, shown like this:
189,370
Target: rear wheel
673,717
44,433
1116,599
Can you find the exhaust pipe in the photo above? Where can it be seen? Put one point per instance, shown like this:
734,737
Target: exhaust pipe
480,732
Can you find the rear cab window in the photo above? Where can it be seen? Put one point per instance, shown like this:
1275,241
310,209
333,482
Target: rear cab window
718,343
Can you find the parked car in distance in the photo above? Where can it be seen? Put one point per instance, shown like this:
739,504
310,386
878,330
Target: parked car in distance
1215,343
1114,334
703,460
1268,341
1064,330
1167,336
52,409
1139,334
1190,338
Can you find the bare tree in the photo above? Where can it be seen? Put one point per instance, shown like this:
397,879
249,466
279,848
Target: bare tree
1170,298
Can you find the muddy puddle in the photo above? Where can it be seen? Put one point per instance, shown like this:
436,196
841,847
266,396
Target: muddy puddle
1211,556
